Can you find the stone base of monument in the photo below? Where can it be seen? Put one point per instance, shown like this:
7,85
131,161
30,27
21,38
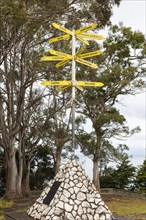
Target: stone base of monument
70,196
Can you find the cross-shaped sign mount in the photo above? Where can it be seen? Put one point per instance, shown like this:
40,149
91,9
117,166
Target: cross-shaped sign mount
80,57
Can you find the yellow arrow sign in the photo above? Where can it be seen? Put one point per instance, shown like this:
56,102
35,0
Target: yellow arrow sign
82,83
87,28
62,37
80,88
61,28
61,54
82,40
56,83
52,58
91,54
62,63
60,88
80,51
91,36
87,63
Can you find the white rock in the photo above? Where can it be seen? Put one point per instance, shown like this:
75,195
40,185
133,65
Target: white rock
74,169
51,212
108,217
90,216
73,196
85,204
75,176
100,209
85,182
71,202
58,211
90,198
66,193
63,198
96,216
79,185
97,201
60,205
66,185
76,189
93,206
90,211
38,216
84,217
81,196
84,189
45,211
68,207
74,213
77,202
68,216
102,217
80,211
75,207
72,184
71,190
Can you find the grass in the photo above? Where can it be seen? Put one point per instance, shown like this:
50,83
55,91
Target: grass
4,204
128,207
132,208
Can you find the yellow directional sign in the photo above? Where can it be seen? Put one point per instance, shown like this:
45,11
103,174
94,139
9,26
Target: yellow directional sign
91,36
82,83
61,28
80,51
60,88
56,83
87,63
80,88
62,63
52,58
61,54
90,54
84,29
82,40
62,37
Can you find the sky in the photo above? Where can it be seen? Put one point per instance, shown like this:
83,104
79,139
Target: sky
132,13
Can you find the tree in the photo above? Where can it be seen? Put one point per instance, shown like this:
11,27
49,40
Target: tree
140,182
23,26
122,70
121,177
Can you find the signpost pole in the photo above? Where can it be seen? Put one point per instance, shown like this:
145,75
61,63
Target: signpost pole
73,90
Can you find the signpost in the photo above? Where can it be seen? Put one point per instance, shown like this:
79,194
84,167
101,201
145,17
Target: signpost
81,34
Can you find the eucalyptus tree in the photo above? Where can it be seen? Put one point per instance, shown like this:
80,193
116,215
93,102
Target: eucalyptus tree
24,27
122,70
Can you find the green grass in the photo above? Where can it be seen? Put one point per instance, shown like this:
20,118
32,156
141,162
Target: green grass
128,207
4,204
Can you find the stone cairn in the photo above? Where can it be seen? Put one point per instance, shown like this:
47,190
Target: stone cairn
70,196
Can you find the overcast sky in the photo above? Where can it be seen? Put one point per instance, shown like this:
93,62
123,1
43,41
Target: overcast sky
133,14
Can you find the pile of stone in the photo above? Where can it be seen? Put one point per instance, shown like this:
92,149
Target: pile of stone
70,196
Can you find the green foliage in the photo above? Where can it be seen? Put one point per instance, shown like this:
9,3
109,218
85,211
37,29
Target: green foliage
41,168
141,178
121,177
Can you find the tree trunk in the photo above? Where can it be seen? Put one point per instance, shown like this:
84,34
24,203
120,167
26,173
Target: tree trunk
11,176
96,181
25,183
57,160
